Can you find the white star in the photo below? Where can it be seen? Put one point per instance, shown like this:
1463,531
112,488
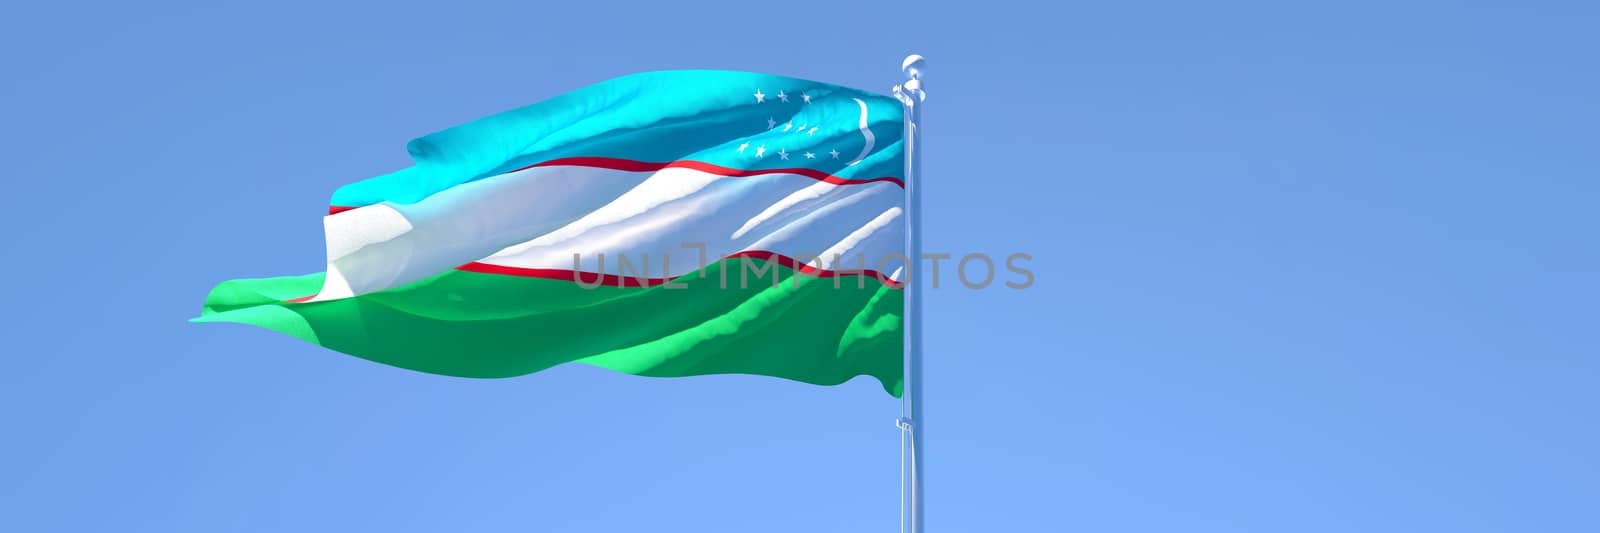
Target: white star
743,146
835,154
810,155
786,127
813,131
762,150
760,97
782,97
783,155
800,129
806,97
771,123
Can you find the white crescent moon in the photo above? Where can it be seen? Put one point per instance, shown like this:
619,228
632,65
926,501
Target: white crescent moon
864,133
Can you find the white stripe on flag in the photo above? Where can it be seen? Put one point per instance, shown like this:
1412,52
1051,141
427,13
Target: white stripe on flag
539,217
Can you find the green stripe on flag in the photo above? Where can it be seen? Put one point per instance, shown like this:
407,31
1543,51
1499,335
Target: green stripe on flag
814,330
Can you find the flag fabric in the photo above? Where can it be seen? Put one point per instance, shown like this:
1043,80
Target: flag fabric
672,223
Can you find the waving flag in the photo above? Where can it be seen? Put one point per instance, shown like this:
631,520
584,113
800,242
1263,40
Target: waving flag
666,224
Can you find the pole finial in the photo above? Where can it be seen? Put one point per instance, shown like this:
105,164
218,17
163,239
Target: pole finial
913,66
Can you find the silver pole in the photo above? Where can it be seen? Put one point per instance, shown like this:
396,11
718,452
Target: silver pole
912,421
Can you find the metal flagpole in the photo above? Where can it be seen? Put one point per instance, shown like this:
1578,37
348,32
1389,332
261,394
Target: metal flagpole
911,421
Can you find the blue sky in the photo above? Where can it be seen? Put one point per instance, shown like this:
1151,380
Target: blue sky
1300,268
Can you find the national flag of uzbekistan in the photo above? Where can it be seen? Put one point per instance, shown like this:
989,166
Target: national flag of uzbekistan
667,224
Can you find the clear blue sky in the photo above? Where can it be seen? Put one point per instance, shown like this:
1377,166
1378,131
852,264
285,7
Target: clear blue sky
1299,269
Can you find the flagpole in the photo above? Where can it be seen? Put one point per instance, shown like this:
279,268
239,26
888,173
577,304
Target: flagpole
911,421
